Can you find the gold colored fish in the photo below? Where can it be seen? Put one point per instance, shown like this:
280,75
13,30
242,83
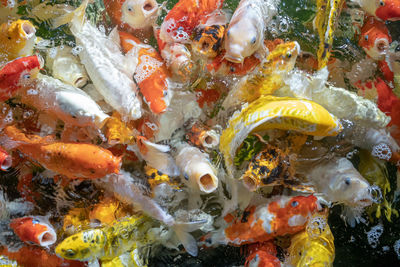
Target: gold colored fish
325,22
16,39
155,177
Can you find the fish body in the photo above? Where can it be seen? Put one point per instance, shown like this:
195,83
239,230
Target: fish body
34,230
70,159
340,182
105,64
382,9
262,255
280,216
268,168
155,178
107,211
375,38
312,247
5,160
245,33
16,73
271,76
201,136
181,20
104,243
132,14
152,75
36,257
207,41
219,66
66,102
66,67
17,39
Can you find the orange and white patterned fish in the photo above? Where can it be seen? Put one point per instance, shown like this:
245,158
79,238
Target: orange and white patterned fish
5,160
151,73
34,230
262,255
181,20
16,73
280,216
383,9
375,38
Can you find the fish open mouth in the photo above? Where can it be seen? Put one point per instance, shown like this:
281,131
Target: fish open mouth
381,45
149,7
7,162
28,30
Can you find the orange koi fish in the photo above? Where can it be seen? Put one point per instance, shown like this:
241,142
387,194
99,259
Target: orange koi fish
383,9
179,24
131,15
281,216
34,230
37,257
17,72
74,160
151,73
375,38
16,39
5,160
207,41
262,255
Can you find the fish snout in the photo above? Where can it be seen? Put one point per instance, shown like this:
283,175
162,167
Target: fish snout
149,8
27,30
381,44
234,53
389,10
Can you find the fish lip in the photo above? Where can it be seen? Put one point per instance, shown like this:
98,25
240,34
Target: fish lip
28,29
381,44
149,8
234,59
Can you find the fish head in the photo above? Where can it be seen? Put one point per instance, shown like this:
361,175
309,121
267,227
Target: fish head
242,39
375,38
208,41
139,14
387,9
19,72
82,246
19,38
284,56
349,187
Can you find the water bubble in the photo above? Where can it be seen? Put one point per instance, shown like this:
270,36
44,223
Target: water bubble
374,234
77,50
382,151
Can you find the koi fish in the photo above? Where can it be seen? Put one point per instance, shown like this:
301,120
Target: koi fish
66,102
70,159
132,14
202,136
37,257
197,168
314,246
340,182
245,33
107,211
375,38
16,40
219,66
207,41
17,73
181,20
104,64
151,74
281,215
375,172
34,230
155,178
5,160
177,57
325,22
66,67
262,255
382,9
105,243
271,76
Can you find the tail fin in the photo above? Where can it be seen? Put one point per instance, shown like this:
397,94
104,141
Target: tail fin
182,232
78,15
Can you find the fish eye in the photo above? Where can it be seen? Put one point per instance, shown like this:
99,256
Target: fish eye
366,37
347,181
27,76
130,8
70,253
289,55
381,3
295,204
397,49
253,40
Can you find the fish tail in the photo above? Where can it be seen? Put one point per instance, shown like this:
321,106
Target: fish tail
188,241
76,16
